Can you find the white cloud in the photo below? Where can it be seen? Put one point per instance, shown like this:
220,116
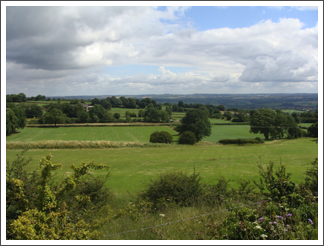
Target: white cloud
71,46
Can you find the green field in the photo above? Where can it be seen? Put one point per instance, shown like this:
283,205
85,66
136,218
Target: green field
230,131
122,133
131,168
305,124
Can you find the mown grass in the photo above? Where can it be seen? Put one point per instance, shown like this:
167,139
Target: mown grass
126,133
132,168
230,132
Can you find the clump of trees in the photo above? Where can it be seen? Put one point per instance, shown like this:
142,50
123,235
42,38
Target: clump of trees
274,124
161,137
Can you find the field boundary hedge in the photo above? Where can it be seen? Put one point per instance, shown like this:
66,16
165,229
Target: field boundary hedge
98,125
232,124
240,141
59,144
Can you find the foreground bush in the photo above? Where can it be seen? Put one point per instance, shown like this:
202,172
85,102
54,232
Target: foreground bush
39,209
161,137
175,187
187,137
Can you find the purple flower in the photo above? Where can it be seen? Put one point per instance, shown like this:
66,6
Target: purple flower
288,215
261,219
280,217
274,223
285,230
287,225
310,221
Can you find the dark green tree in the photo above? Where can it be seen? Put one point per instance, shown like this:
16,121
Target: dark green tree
196,121
55,116
263,122
313,130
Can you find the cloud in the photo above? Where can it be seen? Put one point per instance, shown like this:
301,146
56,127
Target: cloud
66,49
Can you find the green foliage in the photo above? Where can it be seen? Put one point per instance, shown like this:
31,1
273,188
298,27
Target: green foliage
277,187
15,118
54,116
274,124
197,122
313,130
161,137
311,180
116,116
173,187
187,137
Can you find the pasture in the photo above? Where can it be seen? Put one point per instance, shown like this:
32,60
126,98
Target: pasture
131,168
117,133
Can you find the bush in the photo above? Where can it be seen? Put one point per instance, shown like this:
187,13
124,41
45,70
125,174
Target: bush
116,116
174,187
161,137
38,208
187,137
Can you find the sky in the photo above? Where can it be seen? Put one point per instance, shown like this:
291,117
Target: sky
146,49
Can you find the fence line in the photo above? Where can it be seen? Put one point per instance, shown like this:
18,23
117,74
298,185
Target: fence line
169,223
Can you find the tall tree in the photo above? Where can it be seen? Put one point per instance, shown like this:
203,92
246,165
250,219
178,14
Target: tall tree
54,116
196,121
263,122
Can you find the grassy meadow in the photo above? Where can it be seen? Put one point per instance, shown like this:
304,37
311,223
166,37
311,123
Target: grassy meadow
131,168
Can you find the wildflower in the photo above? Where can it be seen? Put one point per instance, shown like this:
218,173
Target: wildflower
270,223
288,215
258,227
162,215
280,217
288,225
310,221
285,230
261,219
263,236
275,222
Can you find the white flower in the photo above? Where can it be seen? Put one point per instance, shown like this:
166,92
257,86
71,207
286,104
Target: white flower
162,215
263,236
258,227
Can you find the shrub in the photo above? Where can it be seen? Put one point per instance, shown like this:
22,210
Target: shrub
161,137
174,187
39,209
311,180
187,137
117,115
